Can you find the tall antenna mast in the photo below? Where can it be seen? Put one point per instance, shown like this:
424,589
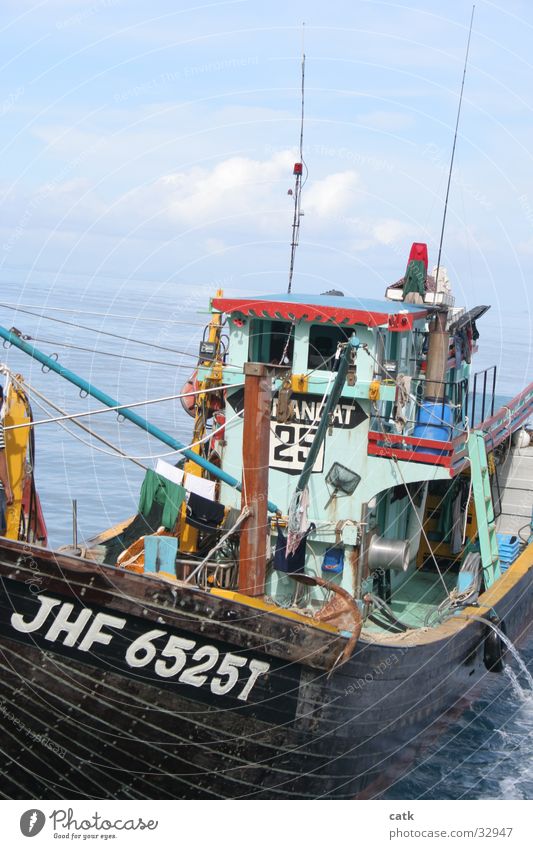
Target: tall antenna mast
298,171
453,148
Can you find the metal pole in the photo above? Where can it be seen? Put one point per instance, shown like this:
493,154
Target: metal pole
75,526
255,462
69,375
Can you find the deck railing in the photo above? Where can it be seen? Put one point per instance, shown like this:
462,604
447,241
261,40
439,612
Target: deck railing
452,454
508,418
486,397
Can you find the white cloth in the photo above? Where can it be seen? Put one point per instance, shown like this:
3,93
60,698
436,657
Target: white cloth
171,473
192,483
298,522
200,486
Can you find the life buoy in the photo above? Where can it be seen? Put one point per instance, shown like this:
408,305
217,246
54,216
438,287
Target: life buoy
494,648
188,399
219,421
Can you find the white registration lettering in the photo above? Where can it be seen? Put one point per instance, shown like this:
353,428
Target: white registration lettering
194,675
257,668
96,635
229,668
47,603
142,650
175,648
72,629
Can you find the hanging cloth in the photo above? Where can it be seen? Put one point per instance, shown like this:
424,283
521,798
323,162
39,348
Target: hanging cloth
169,495
291,563
203,514
297,522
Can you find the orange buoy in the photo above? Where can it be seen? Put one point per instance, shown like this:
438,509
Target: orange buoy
188,399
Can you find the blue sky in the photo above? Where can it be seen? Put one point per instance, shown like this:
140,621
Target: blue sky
155,142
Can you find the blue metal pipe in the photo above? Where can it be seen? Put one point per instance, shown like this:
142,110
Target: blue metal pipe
141,422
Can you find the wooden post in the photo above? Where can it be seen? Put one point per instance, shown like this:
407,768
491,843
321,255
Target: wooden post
255,461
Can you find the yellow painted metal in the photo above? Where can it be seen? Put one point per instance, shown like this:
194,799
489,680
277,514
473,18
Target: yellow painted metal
189,535
431,524
299,382
16,413
259,604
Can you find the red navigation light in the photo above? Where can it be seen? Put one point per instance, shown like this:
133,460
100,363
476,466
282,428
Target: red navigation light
298,168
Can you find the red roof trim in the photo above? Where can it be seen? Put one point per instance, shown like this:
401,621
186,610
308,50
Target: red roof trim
311,312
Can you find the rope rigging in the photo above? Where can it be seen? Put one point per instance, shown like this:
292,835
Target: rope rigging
24,385
118,407
106,333
127,316
97,352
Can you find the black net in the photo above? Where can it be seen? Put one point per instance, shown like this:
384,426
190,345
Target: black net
341,479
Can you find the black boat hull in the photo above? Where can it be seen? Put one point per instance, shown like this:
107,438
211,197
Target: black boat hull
82,724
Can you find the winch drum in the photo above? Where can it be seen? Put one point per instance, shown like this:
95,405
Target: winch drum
388,554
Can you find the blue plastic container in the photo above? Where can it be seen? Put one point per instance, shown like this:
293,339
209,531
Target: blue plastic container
160,554
435,421
333,562
508,549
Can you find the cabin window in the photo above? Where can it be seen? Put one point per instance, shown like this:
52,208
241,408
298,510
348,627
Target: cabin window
323,343
271,342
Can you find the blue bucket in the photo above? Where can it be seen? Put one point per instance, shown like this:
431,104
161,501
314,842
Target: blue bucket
435,421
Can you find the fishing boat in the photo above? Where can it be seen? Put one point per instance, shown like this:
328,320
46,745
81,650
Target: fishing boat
339,560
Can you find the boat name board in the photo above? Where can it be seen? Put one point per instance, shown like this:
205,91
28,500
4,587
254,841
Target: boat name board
209,670
292,440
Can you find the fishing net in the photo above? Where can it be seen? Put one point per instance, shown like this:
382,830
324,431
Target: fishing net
341,479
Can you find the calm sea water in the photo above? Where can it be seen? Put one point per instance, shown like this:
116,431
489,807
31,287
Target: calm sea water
488,751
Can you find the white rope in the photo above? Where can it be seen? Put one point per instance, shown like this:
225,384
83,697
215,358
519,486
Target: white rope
134,458
205,438
119,407
152,456
245,512
85,312
413,507
118,451
287,343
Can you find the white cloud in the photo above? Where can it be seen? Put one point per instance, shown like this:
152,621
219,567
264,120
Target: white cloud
333,195
239,195
234,187
390,230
